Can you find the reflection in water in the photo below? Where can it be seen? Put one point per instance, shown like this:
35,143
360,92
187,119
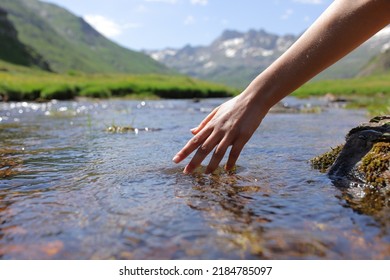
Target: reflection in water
225,198
71,190
372,202
227,203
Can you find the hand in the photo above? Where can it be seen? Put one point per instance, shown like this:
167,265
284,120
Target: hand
231,124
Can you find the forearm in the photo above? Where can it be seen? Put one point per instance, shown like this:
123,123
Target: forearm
341,28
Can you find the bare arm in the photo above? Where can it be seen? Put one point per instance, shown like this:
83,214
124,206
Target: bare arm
341,28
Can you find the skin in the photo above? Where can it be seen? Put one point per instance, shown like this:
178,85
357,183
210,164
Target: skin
345,25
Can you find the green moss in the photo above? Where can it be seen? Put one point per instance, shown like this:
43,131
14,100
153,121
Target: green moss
324,161
375,165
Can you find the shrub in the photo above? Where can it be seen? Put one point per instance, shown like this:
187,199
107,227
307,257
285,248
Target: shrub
60,92
96,92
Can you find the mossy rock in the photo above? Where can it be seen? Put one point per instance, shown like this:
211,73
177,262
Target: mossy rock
375,165
325,161
363,160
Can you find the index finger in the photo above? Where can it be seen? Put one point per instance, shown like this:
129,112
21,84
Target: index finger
192,145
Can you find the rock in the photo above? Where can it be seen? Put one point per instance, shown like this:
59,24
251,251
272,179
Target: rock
282,107
364,159
125,129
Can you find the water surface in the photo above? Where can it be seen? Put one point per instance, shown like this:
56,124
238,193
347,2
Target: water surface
71,190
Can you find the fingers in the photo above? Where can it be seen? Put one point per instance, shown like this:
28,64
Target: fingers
206,143
206,148
205,121
217,157
234,154
191,146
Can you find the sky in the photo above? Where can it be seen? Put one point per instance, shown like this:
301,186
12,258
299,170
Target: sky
158,24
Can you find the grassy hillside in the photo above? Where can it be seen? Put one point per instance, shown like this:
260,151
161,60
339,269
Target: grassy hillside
378,65
69,43
21,83
12,50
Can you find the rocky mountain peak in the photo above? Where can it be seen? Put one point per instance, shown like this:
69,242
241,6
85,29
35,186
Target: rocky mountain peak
235,58
254,50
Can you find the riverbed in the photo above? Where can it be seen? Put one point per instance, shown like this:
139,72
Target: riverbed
71,190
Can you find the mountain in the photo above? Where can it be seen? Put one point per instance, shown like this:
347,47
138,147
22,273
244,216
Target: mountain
380,63
66,42
235,58
13,51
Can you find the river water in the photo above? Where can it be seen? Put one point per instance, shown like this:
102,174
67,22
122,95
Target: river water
71,190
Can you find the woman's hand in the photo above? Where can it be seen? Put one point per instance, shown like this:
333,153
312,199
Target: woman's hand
230,124
341,28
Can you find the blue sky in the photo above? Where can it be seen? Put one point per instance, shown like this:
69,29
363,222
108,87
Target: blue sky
156,24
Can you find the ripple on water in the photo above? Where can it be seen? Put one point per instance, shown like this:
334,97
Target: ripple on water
97,195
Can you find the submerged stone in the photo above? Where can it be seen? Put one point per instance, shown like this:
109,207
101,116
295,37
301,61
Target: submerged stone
126,129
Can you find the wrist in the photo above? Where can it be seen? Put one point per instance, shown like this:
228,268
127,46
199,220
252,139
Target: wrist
263,92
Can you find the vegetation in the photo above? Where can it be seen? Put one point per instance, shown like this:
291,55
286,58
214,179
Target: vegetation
376,163
46,36
371,92
12,50
20,83
326,160
61,41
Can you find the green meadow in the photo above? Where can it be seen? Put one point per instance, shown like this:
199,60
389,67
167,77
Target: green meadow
20,83
371,93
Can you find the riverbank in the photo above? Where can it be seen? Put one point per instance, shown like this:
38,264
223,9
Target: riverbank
24,84
371,93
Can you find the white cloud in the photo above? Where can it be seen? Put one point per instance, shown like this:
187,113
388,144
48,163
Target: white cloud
106,26
287,14
313,2
200,2
189,20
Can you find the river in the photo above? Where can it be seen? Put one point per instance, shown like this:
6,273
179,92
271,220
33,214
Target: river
71,190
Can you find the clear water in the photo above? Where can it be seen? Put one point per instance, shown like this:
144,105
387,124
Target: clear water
71,190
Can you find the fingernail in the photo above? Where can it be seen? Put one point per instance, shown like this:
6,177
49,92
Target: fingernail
176,159
193,130
187,170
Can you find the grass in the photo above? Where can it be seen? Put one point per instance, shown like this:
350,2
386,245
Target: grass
19,83
22,83
66,42
371,93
